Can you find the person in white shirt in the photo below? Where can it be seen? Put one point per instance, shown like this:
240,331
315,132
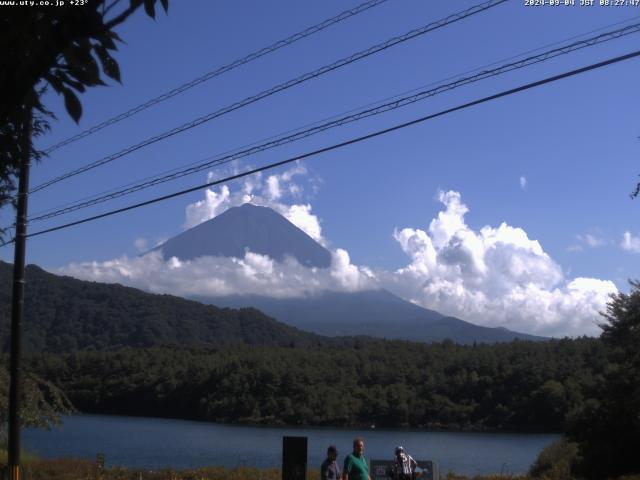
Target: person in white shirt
404,466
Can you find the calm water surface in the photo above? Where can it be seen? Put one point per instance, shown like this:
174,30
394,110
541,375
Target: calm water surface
155,443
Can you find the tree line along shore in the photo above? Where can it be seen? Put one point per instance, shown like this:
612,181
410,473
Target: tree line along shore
518,386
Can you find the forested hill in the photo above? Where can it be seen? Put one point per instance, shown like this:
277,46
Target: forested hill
63,314
518,386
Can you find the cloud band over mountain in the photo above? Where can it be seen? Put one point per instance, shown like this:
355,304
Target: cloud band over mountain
496,276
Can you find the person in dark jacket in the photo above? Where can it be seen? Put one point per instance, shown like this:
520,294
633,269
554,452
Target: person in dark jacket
330,470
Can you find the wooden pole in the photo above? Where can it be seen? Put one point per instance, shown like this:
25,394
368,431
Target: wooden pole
17,303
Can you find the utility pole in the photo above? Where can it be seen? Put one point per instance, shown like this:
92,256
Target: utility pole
17,302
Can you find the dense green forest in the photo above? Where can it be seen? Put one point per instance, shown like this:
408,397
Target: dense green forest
63,314
516,386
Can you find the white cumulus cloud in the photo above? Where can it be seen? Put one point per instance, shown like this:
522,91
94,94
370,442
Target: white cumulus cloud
253,273
141,244
630,243
591,240
523,182
221,276
496,276
267,191
492,276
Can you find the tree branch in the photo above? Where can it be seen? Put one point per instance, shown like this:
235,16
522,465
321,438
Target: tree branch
120,18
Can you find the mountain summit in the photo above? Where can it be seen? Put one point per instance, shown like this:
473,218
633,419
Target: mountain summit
248,227
373,312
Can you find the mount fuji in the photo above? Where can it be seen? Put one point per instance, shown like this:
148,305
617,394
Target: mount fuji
377,313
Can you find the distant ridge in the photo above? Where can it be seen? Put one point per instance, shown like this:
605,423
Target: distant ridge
248,227
63,314
376,313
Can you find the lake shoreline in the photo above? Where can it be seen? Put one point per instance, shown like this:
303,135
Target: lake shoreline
156,443
252,423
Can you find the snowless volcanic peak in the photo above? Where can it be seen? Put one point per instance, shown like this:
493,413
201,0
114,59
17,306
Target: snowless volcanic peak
248,227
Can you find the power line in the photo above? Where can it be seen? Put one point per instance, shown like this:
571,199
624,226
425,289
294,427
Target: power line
398,103
99,196
219,71
278,88
352,141
507,59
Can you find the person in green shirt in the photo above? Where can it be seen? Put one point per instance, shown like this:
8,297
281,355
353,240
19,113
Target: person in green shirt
355,465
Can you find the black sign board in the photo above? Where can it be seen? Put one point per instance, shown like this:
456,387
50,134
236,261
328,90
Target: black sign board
294,458
100,461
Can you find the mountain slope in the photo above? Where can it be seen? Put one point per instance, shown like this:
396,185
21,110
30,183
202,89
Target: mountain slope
65,314
258,229
377,313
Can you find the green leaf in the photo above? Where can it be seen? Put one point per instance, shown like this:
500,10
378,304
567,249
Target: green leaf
72,104
109,65
85,44
149,7
116,37
69,81
54,81
82,65
106,39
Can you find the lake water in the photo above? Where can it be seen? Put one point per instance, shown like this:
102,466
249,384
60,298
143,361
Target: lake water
154,443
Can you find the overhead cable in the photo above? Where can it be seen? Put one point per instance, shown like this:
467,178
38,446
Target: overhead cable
395,104
278,88
352,141
159,175
219,71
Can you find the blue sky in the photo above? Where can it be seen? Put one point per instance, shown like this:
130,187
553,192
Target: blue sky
557,162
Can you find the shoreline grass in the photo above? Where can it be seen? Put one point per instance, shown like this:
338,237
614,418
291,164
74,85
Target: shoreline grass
34,468
82,469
